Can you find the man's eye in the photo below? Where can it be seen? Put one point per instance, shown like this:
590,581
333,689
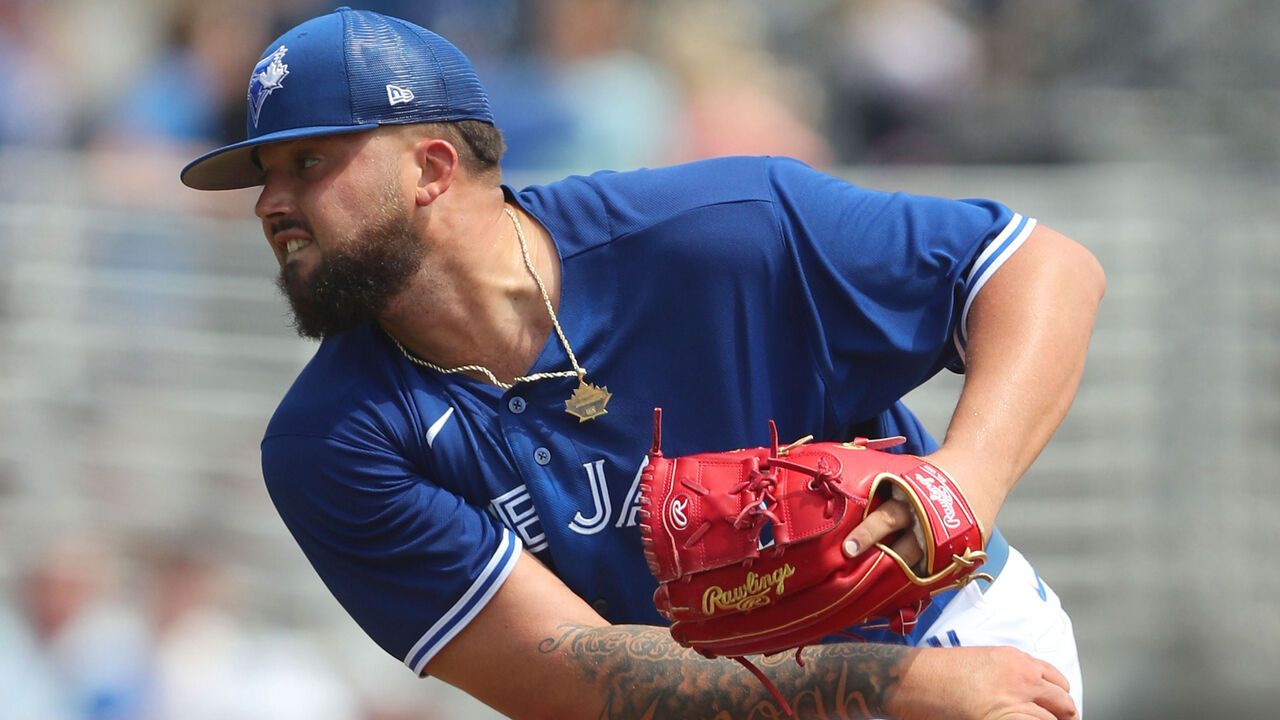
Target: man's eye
306,163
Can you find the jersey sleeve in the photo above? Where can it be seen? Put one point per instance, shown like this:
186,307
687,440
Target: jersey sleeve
889,277
411,562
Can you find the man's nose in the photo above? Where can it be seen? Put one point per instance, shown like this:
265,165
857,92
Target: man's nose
275,199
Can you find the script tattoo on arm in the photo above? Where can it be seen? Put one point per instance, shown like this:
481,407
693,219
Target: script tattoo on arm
644,675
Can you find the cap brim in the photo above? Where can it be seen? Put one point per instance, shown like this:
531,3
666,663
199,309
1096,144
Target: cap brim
232,167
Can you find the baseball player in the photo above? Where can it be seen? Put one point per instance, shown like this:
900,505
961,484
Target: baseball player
459,461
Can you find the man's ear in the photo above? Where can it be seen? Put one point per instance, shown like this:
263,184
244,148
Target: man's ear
437,160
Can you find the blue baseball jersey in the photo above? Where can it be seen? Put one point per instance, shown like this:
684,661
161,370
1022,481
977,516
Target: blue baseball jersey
728,292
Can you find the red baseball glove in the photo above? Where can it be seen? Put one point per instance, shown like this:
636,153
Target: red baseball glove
746,544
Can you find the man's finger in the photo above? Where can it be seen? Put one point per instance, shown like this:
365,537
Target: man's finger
890,517
1059,702
1056,698
908,548
1054,675
1035,713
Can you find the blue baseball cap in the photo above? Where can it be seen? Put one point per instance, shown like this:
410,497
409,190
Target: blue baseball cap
348,71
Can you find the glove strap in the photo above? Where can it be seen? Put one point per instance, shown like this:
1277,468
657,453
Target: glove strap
768,684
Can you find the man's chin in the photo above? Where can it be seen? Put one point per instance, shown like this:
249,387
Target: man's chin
316,320
308,318
318,326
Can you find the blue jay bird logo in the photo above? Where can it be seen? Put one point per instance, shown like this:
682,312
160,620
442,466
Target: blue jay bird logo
268,75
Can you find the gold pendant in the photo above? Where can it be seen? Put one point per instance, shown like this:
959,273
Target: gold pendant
588,401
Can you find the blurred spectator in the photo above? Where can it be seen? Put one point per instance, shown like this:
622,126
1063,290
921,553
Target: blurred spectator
193,90
35,108
532,116
284,676
189,97
621,104
88,651
29,683
211,666
1040,58
486,30
898,70
198,645
571,89
738,98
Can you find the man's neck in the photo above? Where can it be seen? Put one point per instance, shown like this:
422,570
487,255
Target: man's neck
475,301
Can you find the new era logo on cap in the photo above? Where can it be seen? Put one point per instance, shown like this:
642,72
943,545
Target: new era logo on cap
397,95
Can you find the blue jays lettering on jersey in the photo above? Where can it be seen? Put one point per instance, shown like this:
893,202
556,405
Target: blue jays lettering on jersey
729,292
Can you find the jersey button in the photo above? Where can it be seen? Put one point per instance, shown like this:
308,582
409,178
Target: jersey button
542,456
516,405
601,606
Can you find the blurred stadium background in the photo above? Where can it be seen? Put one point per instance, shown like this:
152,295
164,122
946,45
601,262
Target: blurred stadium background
143,572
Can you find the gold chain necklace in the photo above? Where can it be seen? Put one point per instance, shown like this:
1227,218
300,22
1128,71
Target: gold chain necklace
586,403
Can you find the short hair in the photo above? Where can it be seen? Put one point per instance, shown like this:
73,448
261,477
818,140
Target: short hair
479,144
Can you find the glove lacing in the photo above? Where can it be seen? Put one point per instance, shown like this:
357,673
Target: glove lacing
761,483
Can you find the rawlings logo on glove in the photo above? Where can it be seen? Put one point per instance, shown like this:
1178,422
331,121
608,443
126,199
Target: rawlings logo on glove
753,593
746,544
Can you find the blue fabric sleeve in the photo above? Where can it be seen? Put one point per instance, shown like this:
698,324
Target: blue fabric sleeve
887,278
410,562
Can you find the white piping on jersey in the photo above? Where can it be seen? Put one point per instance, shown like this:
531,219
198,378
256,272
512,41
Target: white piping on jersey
469,605
437,426
996,253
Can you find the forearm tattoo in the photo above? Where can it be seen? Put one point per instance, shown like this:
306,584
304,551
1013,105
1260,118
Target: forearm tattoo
644,675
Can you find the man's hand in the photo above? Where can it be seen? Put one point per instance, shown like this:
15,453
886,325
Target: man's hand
980,683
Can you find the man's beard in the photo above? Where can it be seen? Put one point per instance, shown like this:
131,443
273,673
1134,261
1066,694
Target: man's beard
355,282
